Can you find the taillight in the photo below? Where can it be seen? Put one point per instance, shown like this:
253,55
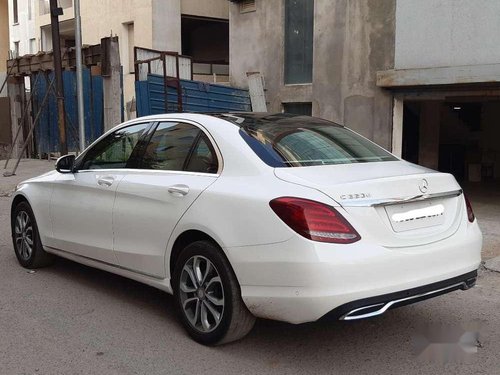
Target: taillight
313,220
470,213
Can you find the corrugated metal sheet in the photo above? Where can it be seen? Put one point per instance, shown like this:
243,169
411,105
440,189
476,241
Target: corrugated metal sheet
196,97
46,131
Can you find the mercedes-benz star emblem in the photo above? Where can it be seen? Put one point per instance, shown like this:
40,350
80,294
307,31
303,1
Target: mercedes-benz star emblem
423,186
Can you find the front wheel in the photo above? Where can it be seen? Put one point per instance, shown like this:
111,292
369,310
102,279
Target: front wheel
27,245
208,296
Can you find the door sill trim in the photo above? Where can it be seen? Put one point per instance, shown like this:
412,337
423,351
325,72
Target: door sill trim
63,252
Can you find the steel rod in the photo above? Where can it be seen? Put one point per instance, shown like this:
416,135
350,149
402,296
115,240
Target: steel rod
22,120
30,134
79,75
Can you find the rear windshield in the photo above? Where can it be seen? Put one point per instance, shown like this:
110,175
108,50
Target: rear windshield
296,143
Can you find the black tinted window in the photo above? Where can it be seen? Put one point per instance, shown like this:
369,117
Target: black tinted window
114,151
297,141
203,158
169,146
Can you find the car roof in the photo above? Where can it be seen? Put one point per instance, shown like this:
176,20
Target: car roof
245,120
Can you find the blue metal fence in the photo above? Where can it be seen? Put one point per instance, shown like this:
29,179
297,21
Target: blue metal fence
46,131
196,97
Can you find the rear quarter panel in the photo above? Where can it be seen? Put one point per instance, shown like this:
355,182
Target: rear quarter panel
235,211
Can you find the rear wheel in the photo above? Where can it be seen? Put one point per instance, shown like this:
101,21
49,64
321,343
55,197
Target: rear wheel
208,296
27,245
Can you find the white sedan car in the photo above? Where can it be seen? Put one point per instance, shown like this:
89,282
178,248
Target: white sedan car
276,216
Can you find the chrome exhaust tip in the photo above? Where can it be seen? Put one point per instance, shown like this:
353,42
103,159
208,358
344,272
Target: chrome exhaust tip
380,308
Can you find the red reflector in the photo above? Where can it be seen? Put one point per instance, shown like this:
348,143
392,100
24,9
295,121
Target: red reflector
313,220
470,213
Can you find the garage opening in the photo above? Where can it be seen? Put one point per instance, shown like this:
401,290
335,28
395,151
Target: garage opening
460,135
206,40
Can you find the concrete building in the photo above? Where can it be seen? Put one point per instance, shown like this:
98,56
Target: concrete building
318,57
22,27
446,86
198,29
420,78
4,42
5,131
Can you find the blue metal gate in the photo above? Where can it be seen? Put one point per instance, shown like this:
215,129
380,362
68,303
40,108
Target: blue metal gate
196,97
46,131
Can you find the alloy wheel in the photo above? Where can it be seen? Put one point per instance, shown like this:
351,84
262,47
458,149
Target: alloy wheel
201,294
24,235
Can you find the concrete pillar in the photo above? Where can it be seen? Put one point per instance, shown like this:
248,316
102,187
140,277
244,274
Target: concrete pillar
112,86
16,97
397,127
430,121
167,25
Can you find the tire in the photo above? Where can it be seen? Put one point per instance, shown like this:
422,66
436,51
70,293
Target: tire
198,310
26,239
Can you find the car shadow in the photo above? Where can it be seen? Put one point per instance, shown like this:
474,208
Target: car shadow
367,345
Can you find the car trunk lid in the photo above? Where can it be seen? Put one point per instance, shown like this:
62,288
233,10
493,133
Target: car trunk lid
394,203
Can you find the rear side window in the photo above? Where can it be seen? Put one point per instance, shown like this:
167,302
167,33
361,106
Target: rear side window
179,147
294,144
203,158
169,146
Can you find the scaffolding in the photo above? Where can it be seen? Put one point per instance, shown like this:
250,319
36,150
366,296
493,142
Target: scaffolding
41,65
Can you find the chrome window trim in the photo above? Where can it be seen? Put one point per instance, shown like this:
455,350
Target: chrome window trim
148,171
218,153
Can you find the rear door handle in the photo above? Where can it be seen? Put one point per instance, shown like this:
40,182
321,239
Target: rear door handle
178,190
105,181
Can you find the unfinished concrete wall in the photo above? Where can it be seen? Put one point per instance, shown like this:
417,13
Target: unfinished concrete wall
490,135
167,25
430,122
206,8
436,33
352,41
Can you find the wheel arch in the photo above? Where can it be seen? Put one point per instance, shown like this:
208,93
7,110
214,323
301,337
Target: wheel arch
184,239
18,199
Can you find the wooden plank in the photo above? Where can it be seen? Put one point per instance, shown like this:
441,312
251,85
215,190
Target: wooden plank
256,89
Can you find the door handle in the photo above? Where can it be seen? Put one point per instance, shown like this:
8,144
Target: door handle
178,190
105,181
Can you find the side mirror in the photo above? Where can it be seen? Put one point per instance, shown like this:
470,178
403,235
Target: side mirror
65,164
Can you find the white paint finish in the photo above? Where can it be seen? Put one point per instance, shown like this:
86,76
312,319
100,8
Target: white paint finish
282,275
299,293
436,33
146,213
81,212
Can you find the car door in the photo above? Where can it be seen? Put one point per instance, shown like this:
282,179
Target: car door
82,202
178,163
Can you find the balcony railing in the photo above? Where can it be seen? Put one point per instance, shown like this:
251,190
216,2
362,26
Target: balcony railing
45,5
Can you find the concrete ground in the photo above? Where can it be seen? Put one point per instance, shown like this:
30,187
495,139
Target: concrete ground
73,319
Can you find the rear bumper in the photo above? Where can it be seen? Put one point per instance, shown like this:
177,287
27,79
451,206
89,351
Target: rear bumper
300,281
373,306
